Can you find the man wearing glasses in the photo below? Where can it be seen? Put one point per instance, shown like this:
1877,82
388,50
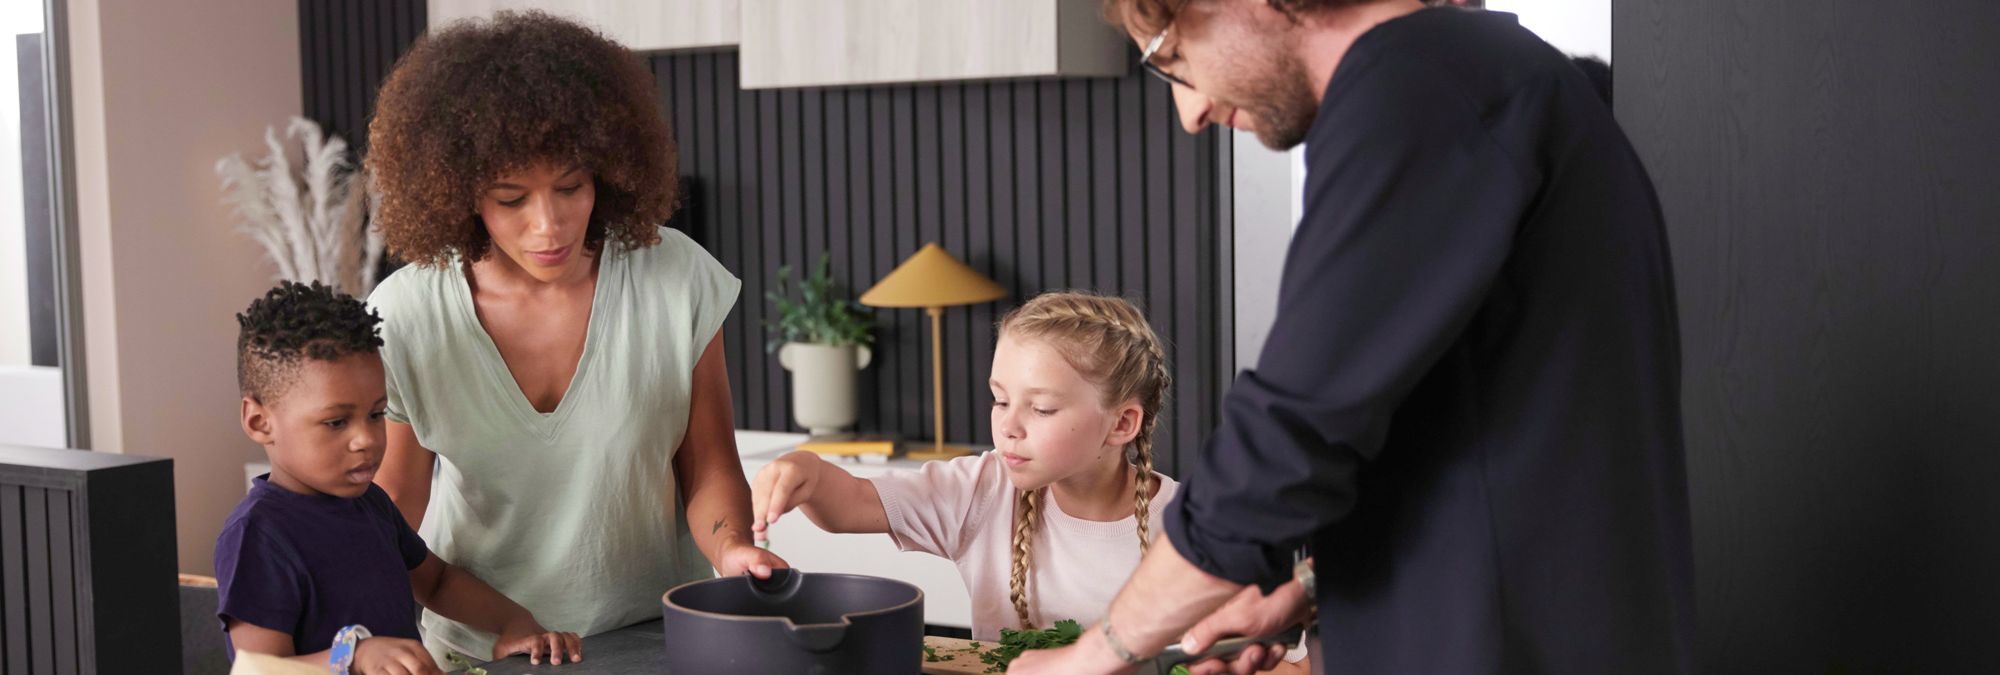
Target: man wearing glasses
1467,411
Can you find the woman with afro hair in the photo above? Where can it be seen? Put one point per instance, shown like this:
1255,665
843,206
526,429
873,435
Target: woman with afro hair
559,407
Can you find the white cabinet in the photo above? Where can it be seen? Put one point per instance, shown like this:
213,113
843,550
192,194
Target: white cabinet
640,25
803,43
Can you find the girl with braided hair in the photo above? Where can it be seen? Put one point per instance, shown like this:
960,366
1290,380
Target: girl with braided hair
1049,524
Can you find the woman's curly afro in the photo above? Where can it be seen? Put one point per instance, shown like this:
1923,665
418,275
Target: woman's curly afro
482,98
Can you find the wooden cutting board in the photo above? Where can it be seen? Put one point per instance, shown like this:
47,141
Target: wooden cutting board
960,657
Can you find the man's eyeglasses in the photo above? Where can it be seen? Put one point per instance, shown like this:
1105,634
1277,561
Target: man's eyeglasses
1152,49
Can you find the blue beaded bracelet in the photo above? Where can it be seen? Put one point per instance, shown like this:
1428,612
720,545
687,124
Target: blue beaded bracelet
341,656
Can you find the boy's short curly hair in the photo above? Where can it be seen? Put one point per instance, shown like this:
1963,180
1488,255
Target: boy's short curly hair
481,98
295,322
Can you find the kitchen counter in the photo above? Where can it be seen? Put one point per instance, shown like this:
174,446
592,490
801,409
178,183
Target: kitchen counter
633,649
638,649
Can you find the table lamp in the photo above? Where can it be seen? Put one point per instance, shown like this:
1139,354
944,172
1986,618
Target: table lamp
934,280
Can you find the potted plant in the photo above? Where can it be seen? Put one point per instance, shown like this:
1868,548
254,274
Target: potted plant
823,340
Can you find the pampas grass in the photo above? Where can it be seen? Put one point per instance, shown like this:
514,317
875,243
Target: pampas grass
313,220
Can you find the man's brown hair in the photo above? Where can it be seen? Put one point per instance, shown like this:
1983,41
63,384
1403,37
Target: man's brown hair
1150,16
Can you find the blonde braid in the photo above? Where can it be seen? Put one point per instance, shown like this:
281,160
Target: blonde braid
1152,399
1027,513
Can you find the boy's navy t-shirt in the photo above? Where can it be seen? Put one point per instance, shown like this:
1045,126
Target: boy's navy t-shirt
309,565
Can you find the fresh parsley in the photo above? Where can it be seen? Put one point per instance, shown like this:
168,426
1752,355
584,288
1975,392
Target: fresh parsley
459,660
1013,642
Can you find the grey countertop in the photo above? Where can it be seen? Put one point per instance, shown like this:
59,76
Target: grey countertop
633,649
641,649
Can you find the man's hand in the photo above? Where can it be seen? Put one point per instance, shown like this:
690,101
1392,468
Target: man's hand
1250,613
1091,655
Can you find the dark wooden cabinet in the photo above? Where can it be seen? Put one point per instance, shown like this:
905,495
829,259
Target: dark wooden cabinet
1827,172
87,563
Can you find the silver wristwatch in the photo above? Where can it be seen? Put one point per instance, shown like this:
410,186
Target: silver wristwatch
1118,648
1303,571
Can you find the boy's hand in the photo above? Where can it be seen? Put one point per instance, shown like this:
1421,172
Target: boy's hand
532,639
781,486
392,656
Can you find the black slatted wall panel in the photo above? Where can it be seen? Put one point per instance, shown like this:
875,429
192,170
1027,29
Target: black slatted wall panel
346,48
1039,185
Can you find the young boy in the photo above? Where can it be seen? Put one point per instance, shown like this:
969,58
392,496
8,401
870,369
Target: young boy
316,558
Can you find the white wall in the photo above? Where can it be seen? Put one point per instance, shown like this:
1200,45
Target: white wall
31,406
1265,213
1577,27
160,91
16,17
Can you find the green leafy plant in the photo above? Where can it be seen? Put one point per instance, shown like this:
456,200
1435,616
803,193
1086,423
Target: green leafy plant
458,660
819,315
1013,642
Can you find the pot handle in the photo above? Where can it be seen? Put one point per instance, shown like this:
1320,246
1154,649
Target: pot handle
785,356
861,357
819,638
780,587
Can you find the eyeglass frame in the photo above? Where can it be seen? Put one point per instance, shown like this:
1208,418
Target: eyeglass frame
1153,47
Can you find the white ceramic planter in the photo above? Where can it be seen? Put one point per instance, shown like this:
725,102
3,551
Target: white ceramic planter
823,389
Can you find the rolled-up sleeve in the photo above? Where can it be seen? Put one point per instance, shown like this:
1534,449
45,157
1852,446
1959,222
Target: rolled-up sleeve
1410,210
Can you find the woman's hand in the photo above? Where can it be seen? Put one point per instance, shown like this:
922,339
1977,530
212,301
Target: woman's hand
742,558
781,486
392,656
532,639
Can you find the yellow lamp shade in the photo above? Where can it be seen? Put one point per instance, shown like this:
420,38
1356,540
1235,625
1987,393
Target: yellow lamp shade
932,278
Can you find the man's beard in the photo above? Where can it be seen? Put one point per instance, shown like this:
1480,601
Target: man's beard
1281,99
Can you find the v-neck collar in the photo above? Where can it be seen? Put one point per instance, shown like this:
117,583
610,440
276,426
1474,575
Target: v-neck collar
609,271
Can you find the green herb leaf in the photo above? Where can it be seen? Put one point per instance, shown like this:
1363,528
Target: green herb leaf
1013,642
460,660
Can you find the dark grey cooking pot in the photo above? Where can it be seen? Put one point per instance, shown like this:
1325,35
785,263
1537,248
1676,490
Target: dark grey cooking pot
794,622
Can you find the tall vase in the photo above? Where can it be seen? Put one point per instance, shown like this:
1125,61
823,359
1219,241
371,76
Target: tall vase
823,384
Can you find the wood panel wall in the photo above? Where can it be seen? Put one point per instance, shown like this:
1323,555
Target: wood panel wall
1039,185
346,48
1827,173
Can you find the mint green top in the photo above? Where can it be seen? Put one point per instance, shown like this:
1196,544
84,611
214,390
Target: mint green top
574,514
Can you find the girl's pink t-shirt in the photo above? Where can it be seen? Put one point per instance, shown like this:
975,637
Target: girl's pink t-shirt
963,509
